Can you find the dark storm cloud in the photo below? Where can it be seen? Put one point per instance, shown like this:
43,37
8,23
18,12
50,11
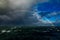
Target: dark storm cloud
15,18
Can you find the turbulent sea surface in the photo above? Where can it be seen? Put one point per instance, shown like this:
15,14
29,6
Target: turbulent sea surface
29,33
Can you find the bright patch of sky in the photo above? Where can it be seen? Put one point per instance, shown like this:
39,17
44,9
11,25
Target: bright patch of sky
53,5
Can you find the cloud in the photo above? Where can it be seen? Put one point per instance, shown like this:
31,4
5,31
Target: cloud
21,4
29,18
3,3
16,8
53,14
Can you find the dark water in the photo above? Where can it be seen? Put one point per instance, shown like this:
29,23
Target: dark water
39,33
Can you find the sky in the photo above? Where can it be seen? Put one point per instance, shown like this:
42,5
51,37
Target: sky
52,11
30,12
